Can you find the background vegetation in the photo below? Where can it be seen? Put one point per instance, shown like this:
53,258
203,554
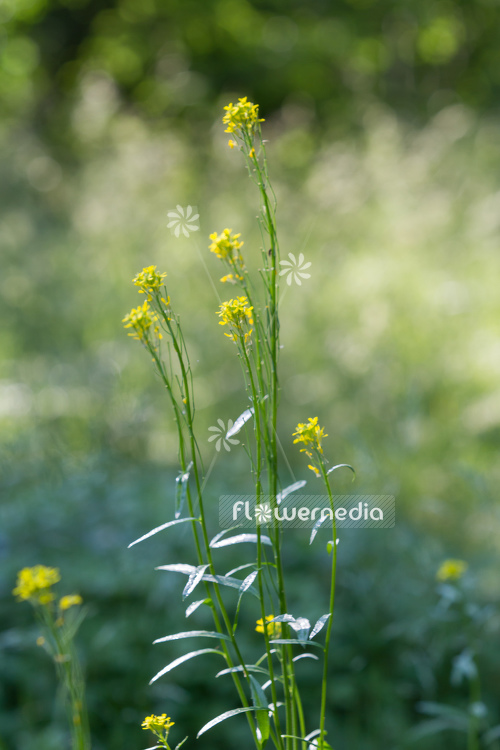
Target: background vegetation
383,144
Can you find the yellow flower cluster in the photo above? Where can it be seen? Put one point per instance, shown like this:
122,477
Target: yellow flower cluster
451,570
226,247
141,319
34,583
241,118
157,723
273,628
149,280
311,435
237,314
71,600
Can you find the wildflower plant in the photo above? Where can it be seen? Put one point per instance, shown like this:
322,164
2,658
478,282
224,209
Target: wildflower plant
59,620
268,690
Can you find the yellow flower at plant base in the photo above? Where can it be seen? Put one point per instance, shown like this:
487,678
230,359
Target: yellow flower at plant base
35,583
141,319
451,570
241,117
237,314
273,628
149,280
71,600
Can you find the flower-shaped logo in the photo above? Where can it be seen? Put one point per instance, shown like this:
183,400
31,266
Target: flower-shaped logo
183,220
220,433
294,269
263,513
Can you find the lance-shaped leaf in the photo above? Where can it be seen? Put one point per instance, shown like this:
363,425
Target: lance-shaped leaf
194,606
300,643
223,717
240,567
319,625
193,634
247,667
181,490
305,656
288,490
233,583
340,466
238,539
316,527
302,627
260,702
194,580
243,588
283,618
182,659
160,528
178,568
242,419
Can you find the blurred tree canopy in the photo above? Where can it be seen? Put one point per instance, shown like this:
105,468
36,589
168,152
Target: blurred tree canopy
172,58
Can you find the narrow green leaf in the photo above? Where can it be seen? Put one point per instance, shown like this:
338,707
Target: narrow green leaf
319,625
302,627
178,568
194,580
340,466
194,606
316,528
239,668
223,717
240,539
193,634
288,490
260,701
182,659
178,747
242,419
300,643
160,528
305,656
243,588
240,567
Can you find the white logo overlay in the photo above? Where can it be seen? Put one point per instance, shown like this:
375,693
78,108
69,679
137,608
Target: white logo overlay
183,220
307,511
263,513
294,269
222,435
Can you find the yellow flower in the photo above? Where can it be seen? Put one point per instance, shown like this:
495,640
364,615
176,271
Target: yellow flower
231,143
35,583
157,723
141,319
149,279
273,628
241,117
251,153
71,600
237,314
310,435
225,245
451,570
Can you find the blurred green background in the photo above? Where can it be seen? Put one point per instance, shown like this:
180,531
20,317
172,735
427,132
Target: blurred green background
383,128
